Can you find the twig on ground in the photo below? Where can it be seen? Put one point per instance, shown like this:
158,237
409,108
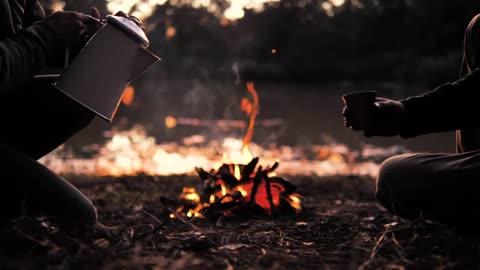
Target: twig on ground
139,195
181,218
153,217
375,249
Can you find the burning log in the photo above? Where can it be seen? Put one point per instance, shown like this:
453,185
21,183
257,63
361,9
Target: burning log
239,190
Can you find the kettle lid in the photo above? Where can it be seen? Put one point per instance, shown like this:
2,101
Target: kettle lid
130,27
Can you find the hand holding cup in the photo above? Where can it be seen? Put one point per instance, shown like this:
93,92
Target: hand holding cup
376,116
358,109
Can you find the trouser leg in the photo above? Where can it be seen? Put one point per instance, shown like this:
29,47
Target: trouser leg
438,187
28,187
35,121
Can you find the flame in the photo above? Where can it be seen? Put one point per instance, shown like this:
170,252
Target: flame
128,95
190,194
242,191
240,154
227,196
295,201
195,212
236,173
246,153
252,112
224,190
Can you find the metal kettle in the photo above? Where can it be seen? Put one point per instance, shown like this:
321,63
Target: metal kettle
115,56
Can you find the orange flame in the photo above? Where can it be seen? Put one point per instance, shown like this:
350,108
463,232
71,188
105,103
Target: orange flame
236,172
295,201
242,191
251,109
190,194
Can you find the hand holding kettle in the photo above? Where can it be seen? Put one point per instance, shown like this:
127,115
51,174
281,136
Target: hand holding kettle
72,27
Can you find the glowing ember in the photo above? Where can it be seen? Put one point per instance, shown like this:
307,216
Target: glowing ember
252,191
128,95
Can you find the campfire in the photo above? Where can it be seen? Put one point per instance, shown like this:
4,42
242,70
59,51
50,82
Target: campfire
239,190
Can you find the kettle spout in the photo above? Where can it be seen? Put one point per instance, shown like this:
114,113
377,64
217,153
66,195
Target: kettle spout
143,60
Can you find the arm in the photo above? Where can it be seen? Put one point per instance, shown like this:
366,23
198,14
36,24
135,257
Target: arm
23,55
449,107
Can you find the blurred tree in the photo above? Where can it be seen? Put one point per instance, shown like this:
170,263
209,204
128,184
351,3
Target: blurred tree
362,40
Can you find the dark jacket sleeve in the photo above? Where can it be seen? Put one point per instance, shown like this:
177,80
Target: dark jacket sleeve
23,55
449,107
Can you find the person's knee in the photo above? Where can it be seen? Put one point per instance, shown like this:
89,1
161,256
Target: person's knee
84,217
90,215
78,211
83,212
391,177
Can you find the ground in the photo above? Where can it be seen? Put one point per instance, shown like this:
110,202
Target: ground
341,227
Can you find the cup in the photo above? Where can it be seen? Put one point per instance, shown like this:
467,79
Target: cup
360,106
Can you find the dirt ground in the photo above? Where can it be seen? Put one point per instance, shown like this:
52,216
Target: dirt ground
341,227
